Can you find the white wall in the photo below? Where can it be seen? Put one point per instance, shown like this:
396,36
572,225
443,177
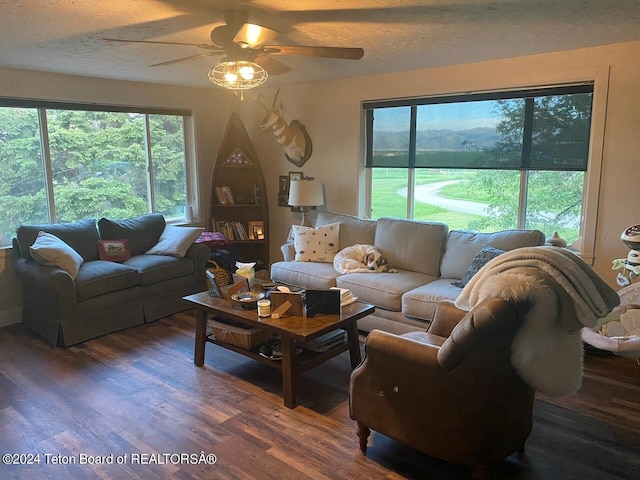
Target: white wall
332,111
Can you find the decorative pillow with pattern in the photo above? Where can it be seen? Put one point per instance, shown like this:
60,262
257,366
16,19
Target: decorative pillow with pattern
483,257
316,244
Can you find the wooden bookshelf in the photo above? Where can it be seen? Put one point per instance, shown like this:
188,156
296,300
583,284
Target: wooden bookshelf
238,202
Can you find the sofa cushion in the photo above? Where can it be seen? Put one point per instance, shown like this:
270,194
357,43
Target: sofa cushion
51,251
100,277
353,230
411,245
484,256
175,241
383,290
305,274
158,268
421,302
82,236
316,244
141,232
462,246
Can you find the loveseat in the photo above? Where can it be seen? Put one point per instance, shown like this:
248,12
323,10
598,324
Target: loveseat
72,295
432,265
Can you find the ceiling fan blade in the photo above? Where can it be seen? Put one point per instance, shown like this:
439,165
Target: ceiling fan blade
155,42
251,34
329,52
271,65
184,59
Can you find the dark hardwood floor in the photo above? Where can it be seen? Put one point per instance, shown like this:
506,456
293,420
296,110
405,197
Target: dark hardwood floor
137,393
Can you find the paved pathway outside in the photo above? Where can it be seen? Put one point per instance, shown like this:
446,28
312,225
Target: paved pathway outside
430,194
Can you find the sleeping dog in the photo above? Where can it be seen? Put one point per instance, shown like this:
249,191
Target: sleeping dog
361,259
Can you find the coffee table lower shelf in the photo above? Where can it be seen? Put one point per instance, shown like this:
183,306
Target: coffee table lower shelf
305,360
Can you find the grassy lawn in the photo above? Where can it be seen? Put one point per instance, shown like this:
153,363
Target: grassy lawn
388,203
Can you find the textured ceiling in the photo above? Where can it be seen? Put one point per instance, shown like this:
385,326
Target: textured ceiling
66,36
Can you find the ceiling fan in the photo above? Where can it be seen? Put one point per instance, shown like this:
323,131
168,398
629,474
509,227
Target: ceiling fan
247,61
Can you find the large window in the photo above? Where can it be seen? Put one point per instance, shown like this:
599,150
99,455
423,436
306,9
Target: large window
62,165
483,162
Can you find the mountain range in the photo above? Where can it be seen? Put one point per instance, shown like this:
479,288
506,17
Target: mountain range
446,139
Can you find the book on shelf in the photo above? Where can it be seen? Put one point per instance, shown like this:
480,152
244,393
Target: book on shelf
224,195
231,230
229,195
220,195
242,231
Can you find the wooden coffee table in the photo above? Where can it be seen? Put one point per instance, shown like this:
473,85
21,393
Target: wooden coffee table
292,330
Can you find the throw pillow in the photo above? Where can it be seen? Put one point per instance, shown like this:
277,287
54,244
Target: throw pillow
483,257
114,250
141,232
175,241
316,244
49,250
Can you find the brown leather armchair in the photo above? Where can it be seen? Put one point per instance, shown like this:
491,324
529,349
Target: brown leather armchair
450,393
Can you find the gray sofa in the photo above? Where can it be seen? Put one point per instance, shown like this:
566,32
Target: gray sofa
428,257
106,296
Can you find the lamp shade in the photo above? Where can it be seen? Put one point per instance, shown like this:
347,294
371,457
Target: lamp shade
305,193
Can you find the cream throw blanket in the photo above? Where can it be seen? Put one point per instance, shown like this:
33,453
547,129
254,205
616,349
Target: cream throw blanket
565,294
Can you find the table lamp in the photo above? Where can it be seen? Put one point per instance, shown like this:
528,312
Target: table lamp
305,194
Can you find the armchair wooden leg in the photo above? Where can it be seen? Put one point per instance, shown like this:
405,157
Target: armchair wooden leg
363,436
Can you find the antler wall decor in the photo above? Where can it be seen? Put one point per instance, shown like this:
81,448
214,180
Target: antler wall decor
293,137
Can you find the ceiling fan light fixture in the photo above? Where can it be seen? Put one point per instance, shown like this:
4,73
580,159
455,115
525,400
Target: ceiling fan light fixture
246,72
238,75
